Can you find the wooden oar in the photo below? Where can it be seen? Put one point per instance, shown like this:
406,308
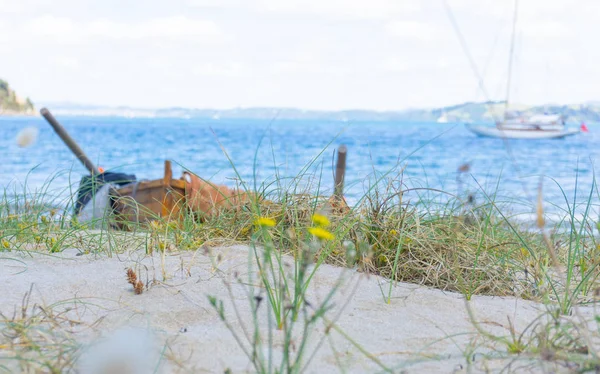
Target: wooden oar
64,135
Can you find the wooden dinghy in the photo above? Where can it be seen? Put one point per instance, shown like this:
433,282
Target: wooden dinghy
171,199
145,201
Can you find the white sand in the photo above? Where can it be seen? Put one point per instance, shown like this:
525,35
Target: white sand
418,322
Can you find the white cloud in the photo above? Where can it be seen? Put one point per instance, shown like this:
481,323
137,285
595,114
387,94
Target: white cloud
414,30
413,63
526,10
342,9
66,62
545,29
228,69
52,27
298,67
218,3
11,6
170,27
309,64
396,64
65,30
333,9
535,18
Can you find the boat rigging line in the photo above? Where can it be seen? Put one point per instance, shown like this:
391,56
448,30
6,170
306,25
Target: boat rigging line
472,64
510,55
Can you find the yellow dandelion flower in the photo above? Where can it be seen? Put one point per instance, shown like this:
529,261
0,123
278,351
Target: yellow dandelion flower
5,243
320,220
524,252
383,259
264,222
51,243
393,232
321,233
245,231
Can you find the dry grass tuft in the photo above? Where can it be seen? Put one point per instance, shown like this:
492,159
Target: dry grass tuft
446,254
138,287
131,276
39,339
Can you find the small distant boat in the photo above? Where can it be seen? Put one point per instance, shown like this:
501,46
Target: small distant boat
443,118
539,126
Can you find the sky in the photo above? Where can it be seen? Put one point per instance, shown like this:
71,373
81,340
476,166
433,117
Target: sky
312,54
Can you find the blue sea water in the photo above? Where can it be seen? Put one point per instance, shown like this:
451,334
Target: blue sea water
430,155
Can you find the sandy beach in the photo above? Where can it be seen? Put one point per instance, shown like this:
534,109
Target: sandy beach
172,326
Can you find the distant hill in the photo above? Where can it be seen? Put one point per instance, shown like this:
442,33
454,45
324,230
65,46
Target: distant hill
11,104
466,112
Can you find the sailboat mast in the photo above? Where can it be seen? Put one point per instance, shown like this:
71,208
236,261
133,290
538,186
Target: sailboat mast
510,57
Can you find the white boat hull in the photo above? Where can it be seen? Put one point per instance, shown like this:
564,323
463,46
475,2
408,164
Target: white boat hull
520,134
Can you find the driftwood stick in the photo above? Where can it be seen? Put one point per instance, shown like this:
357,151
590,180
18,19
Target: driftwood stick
340,172
73,146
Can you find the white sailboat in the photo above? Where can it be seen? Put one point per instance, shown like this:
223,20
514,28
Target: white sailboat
518,126
525,133
537,126
443,118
